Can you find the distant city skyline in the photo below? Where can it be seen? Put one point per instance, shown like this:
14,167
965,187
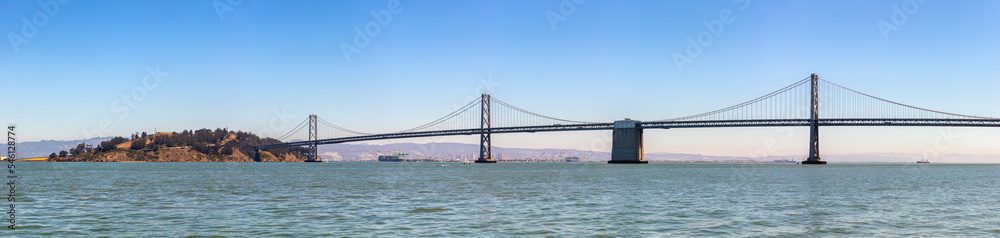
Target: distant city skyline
75,70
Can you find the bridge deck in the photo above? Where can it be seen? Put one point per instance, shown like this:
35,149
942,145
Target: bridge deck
658,125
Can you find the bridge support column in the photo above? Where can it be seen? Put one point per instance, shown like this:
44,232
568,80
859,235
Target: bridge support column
256,157
814,126
313,136
626,144
485,149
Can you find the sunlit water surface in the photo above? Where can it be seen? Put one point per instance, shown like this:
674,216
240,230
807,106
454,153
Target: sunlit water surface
507,199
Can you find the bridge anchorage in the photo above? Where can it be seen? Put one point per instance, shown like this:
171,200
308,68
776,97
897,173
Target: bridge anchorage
787,106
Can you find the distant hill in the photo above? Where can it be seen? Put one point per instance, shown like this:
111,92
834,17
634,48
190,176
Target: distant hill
45,147
448,152
459,151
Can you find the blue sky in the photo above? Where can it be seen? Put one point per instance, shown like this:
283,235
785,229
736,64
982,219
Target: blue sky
604,60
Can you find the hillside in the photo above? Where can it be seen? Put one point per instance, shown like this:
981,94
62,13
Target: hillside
204,145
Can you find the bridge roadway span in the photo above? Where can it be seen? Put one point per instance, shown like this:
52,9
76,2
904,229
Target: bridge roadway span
656,125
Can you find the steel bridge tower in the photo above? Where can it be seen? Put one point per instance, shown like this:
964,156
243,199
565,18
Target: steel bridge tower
814,125
313,154
485,153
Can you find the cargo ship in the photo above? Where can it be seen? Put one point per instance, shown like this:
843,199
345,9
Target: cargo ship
398,157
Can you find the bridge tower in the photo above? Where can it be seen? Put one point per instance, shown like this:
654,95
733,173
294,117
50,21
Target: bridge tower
256,157
626,143
313,136
814,125
485,153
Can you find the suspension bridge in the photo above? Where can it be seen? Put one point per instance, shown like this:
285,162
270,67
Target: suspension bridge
797,104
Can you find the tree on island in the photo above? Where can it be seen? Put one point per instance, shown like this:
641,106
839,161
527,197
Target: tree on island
63,153
160,140
111,144
80,149
138,144
53,155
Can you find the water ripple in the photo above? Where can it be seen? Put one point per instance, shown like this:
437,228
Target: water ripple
537,199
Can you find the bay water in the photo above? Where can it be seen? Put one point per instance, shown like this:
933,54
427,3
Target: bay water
505,199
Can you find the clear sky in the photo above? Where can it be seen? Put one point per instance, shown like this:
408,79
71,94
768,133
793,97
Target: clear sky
68,67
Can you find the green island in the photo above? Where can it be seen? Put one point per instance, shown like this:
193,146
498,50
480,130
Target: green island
203,145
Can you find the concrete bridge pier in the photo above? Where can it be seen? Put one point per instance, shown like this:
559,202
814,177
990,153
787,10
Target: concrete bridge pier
626,144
